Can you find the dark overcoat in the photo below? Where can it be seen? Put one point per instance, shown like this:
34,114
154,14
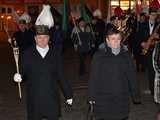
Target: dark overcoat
24,39
42,78
113,78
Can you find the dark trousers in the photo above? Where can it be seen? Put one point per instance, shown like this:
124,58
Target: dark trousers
140,62
82,57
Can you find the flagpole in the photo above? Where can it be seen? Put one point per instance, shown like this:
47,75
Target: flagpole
79,40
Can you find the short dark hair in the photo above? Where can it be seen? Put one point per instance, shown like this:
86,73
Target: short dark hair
111,31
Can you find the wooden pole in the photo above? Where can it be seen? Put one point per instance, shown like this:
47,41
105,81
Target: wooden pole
80,42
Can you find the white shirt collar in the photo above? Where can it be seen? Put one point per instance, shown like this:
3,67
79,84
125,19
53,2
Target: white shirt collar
42,51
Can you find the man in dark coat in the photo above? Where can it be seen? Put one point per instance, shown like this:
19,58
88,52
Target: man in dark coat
147,30
113,79
41,67
24,37
82,39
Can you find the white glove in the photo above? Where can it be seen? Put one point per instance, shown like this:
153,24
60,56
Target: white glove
69,101
10,40
92,102
17,77
75,47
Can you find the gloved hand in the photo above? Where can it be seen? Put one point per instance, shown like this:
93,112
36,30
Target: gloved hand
17,77
10,40
92,102
69,101
76,47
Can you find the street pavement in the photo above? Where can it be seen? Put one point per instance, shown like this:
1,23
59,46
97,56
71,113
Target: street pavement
11,108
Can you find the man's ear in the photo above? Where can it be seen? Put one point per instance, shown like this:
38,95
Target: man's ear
107,39
35,37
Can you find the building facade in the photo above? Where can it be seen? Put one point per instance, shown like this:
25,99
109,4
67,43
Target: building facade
33,7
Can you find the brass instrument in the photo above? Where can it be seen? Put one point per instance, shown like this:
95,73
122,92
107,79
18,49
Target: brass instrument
151,40
124,29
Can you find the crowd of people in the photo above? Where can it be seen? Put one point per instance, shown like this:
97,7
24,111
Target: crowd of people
119,48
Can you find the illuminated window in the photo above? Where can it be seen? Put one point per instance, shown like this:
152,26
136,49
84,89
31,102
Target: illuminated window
124,4
114,3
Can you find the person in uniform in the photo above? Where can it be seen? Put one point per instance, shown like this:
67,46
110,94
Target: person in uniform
147,30
41,67
82,40
24,37
113,79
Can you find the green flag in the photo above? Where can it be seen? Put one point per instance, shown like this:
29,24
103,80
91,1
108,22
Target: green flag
84,14
65,18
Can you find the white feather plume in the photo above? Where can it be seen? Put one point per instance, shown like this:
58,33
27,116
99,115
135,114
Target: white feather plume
45,17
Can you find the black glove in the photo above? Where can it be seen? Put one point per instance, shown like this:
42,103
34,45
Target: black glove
137,101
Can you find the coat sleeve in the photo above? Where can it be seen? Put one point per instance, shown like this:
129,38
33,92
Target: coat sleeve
22,66
132,80
65,85
93,79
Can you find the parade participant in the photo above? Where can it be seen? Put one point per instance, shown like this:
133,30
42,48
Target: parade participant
113,78
42,68
24,36
136,43
99,27
147,31
82,38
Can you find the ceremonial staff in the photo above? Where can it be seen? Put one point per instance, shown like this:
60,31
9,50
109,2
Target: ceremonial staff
16,57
